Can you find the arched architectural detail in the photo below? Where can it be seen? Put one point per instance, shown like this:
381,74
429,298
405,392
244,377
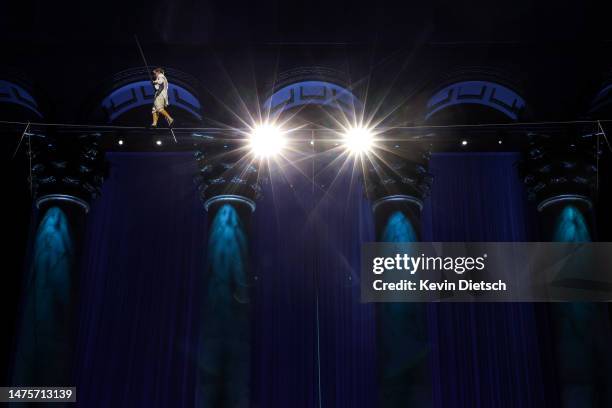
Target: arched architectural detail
311,85
312,92
141,93
481,92
13,93
132,89
602,102
603,98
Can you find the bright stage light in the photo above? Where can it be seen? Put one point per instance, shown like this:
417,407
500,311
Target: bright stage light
358,140
158,142
267,140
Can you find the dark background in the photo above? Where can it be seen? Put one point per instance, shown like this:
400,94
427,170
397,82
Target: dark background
557,55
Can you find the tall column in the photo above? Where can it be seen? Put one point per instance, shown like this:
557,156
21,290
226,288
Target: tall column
229,188
67,173
561,177
396,183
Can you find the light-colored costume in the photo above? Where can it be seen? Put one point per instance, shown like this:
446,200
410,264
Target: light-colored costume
161,93
160,102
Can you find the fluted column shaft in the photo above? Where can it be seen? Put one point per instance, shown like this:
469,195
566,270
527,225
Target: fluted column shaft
560,175
228,189
66,176
396,184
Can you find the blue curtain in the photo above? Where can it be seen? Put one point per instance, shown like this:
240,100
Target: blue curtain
139,286
484,355
313,342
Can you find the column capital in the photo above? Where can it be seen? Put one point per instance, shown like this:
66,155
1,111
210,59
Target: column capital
66,198
398,174
226,174
67,168
559,168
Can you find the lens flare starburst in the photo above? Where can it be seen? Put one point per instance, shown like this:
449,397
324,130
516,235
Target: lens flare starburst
358,140
267,140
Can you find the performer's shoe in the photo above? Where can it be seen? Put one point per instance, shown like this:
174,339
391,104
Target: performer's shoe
152,126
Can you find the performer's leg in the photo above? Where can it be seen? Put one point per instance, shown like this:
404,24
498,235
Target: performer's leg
167,116
155,118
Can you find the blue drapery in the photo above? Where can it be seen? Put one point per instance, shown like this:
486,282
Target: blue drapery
484,355
313,342
145,250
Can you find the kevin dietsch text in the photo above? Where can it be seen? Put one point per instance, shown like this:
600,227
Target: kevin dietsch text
415,264
425,285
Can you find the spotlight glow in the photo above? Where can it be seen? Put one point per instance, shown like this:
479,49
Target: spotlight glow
464,143
358,140
267,140
120,142
158,142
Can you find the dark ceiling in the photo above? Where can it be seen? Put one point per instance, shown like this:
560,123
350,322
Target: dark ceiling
557,54
193,22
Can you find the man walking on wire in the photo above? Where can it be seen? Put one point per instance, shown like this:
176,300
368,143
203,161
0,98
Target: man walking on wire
160,103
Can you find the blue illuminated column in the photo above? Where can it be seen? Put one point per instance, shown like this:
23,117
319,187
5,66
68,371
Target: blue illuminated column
229,190
396,183
66,176
560,175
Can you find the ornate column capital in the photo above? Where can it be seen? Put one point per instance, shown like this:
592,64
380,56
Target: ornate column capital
67,168
559,168
397,174
225,173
